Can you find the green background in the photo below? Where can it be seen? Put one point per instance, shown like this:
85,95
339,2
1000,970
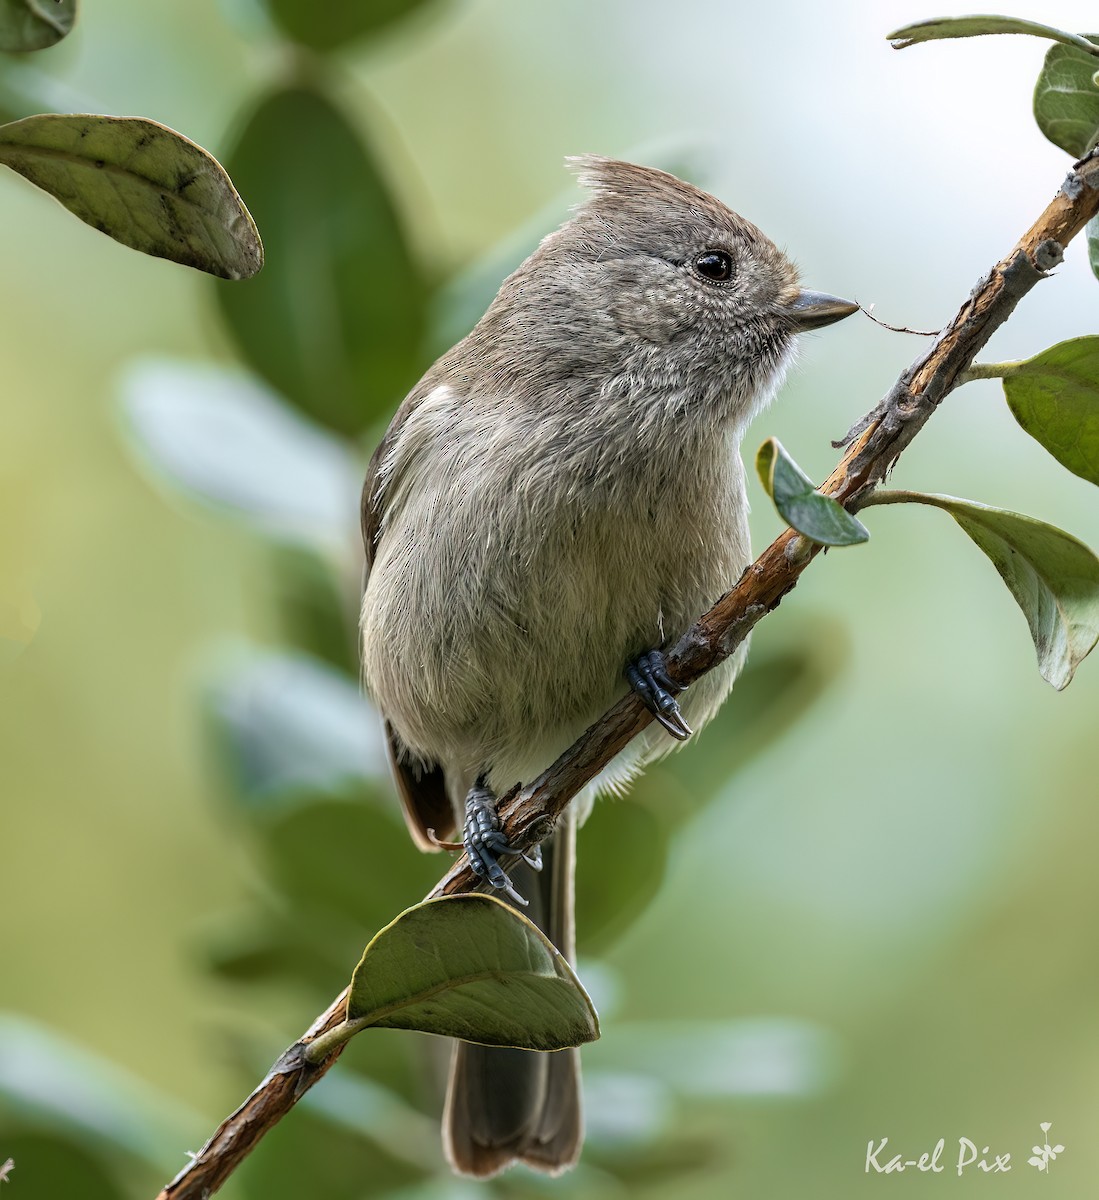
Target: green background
896,898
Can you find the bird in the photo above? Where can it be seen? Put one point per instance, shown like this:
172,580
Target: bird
553,505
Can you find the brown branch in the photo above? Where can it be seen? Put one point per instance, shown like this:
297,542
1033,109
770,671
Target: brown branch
874,444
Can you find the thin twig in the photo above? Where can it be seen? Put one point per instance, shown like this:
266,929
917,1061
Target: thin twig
869,312
874,444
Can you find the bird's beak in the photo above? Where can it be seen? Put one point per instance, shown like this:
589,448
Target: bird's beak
812,310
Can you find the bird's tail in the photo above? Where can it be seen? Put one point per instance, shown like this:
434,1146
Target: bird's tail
504,1105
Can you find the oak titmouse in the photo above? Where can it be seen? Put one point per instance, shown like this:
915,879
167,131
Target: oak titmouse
557,501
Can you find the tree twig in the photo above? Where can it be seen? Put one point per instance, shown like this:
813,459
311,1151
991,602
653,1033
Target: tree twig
873,446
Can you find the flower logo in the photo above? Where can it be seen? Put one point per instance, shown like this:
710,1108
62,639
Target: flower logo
1045,1154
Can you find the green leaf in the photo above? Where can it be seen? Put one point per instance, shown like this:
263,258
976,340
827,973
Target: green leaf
1055,397
977,26
34,24
223,438
1053,577
1092,232
142,184
800,505
335,323
337,22
471,967
290,723
1066,99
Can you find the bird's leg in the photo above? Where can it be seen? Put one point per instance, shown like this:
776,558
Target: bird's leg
485,842
648,676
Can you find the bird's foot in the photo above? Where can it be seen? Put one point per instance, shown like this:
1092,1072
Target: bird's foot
485,842
648,676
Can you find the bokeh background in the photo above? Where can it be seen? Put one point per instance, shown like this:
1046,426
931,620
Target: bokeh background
863,906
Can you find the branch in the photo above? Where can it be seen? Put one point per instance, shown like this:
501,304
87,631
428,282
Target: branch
874,445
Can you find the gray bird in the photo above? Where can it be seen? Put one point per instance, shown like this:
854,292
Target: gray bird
554,504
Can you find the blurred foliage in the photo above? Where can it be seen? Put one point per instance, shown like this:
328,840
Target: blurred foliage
320,608
331,26
223,438
336,320
289,722
75,1124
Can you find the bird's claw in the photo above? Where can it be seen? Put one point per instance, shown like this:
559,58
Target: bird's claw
648,676
485,842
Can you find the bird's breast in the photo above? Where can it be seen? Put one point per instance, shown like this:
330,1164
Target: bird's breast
512,586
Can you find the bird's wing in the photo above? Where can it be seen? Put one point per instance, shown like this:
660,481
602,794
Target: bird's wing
422,789
373,500
428,812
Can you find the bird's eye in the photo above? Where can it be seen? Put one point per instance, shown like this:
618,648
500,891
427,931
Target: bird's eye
715,265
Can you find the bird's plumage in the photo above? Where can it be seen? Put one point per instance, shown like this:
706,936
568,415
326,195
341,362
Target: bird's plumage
561,493
528,556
